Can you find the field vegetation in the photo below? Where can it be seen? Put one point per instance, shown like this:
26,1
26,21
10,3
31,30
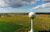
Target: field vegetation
14,23
21,23
41,22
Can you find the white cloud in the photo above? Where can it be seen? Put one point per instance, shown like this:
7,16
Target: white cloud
47,5
43,7
46,0
2,3
15,3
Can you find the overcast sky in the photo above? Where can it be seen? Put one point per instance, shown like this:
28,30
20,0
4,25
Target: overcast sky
22,5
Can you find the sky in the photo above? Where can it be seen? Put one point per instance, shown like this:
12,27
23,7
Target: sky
24,6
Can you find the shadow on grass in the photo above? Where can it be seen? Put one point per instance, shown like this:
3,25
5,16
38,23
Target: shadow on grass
7,27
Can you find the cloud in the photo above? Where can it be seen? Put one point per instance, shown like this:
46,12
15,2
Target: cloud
46,0
15,3
47,5
2,3
43,7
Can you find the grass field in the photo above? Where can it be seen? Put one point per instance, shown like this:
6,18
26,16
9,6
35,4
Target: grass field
21,23
41,22
18,23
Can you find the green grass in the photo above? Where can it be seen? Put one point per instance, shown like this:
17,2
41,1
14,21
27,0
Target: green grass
20,23
42,22
5,27
17,23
